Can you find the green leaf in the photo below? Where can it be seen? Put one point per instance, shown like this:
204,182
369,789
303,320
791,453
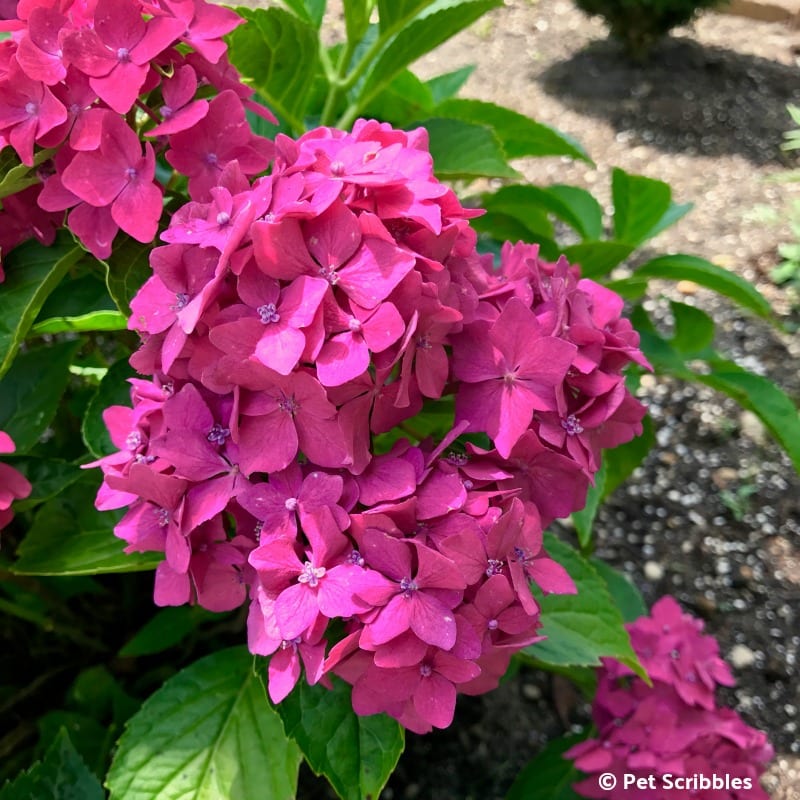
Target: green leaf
463,150
114,390
639,205
404,100
61,775
207,733
627,597
443,87
583,520
32,272
681,267
759,395
356,754
549,776
582,628
165,629
70,537
311,11
578,208
93,321
127,268
519,135
25,409
621,461
14,176
597,258
574,206
694,329
436,23
48,477
395,13
280,53
356,18
90,739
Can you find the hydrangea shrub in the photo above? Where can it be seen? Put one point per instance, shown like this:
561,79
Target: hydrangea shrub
355,409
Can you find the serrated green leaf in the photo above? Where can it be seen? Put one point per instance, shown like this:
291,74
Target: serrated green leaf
61,775
48,478
463,150
127,268
680,267
597,258
549,776
207,733
583,520
356,754
32,272
431,26
759,395
114,390
70,537
627,597
395,13
519,135
166,628
90,738
640,203
581,629
93,321
279,52
26,410
443,87
694,329
621,461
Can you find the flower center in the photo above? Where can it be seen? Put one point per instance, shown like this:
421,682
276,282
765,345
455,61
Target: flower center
290,504
572,425
218,434
424,343
131,173
408,587
493,567
356,558
354,325
337,168
330,275
425,670
31,108
181,301
311,574
123,55
268,313
211,159
163,517
492,624
289,405
223,218
133,440
166,112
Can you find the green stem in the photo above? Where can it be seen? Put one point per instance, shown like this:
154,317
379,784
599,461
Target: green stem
336,78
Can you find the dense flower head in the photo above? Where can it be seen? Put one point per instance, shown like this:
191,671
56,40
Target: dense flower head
90,79
13,485
674,726
294,321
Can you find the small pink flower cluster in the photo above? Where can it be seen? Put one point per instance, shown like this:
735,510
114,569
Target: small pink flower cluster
83,77
13,485
287,324
674,726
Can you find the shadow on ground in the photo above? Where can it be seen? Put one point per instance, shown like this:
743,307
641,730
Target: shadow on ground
687,98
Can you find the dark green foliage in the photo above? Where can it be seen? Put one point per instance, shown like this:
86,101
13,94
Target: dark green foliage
639,24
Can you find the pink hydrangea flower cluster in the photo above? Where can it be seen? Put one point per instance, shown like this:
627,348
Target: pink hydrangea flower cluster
88,79
13,485
288,323
674,726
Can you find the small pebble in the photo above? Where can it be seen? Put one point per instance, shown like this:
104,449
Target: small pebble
653,571
741,656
